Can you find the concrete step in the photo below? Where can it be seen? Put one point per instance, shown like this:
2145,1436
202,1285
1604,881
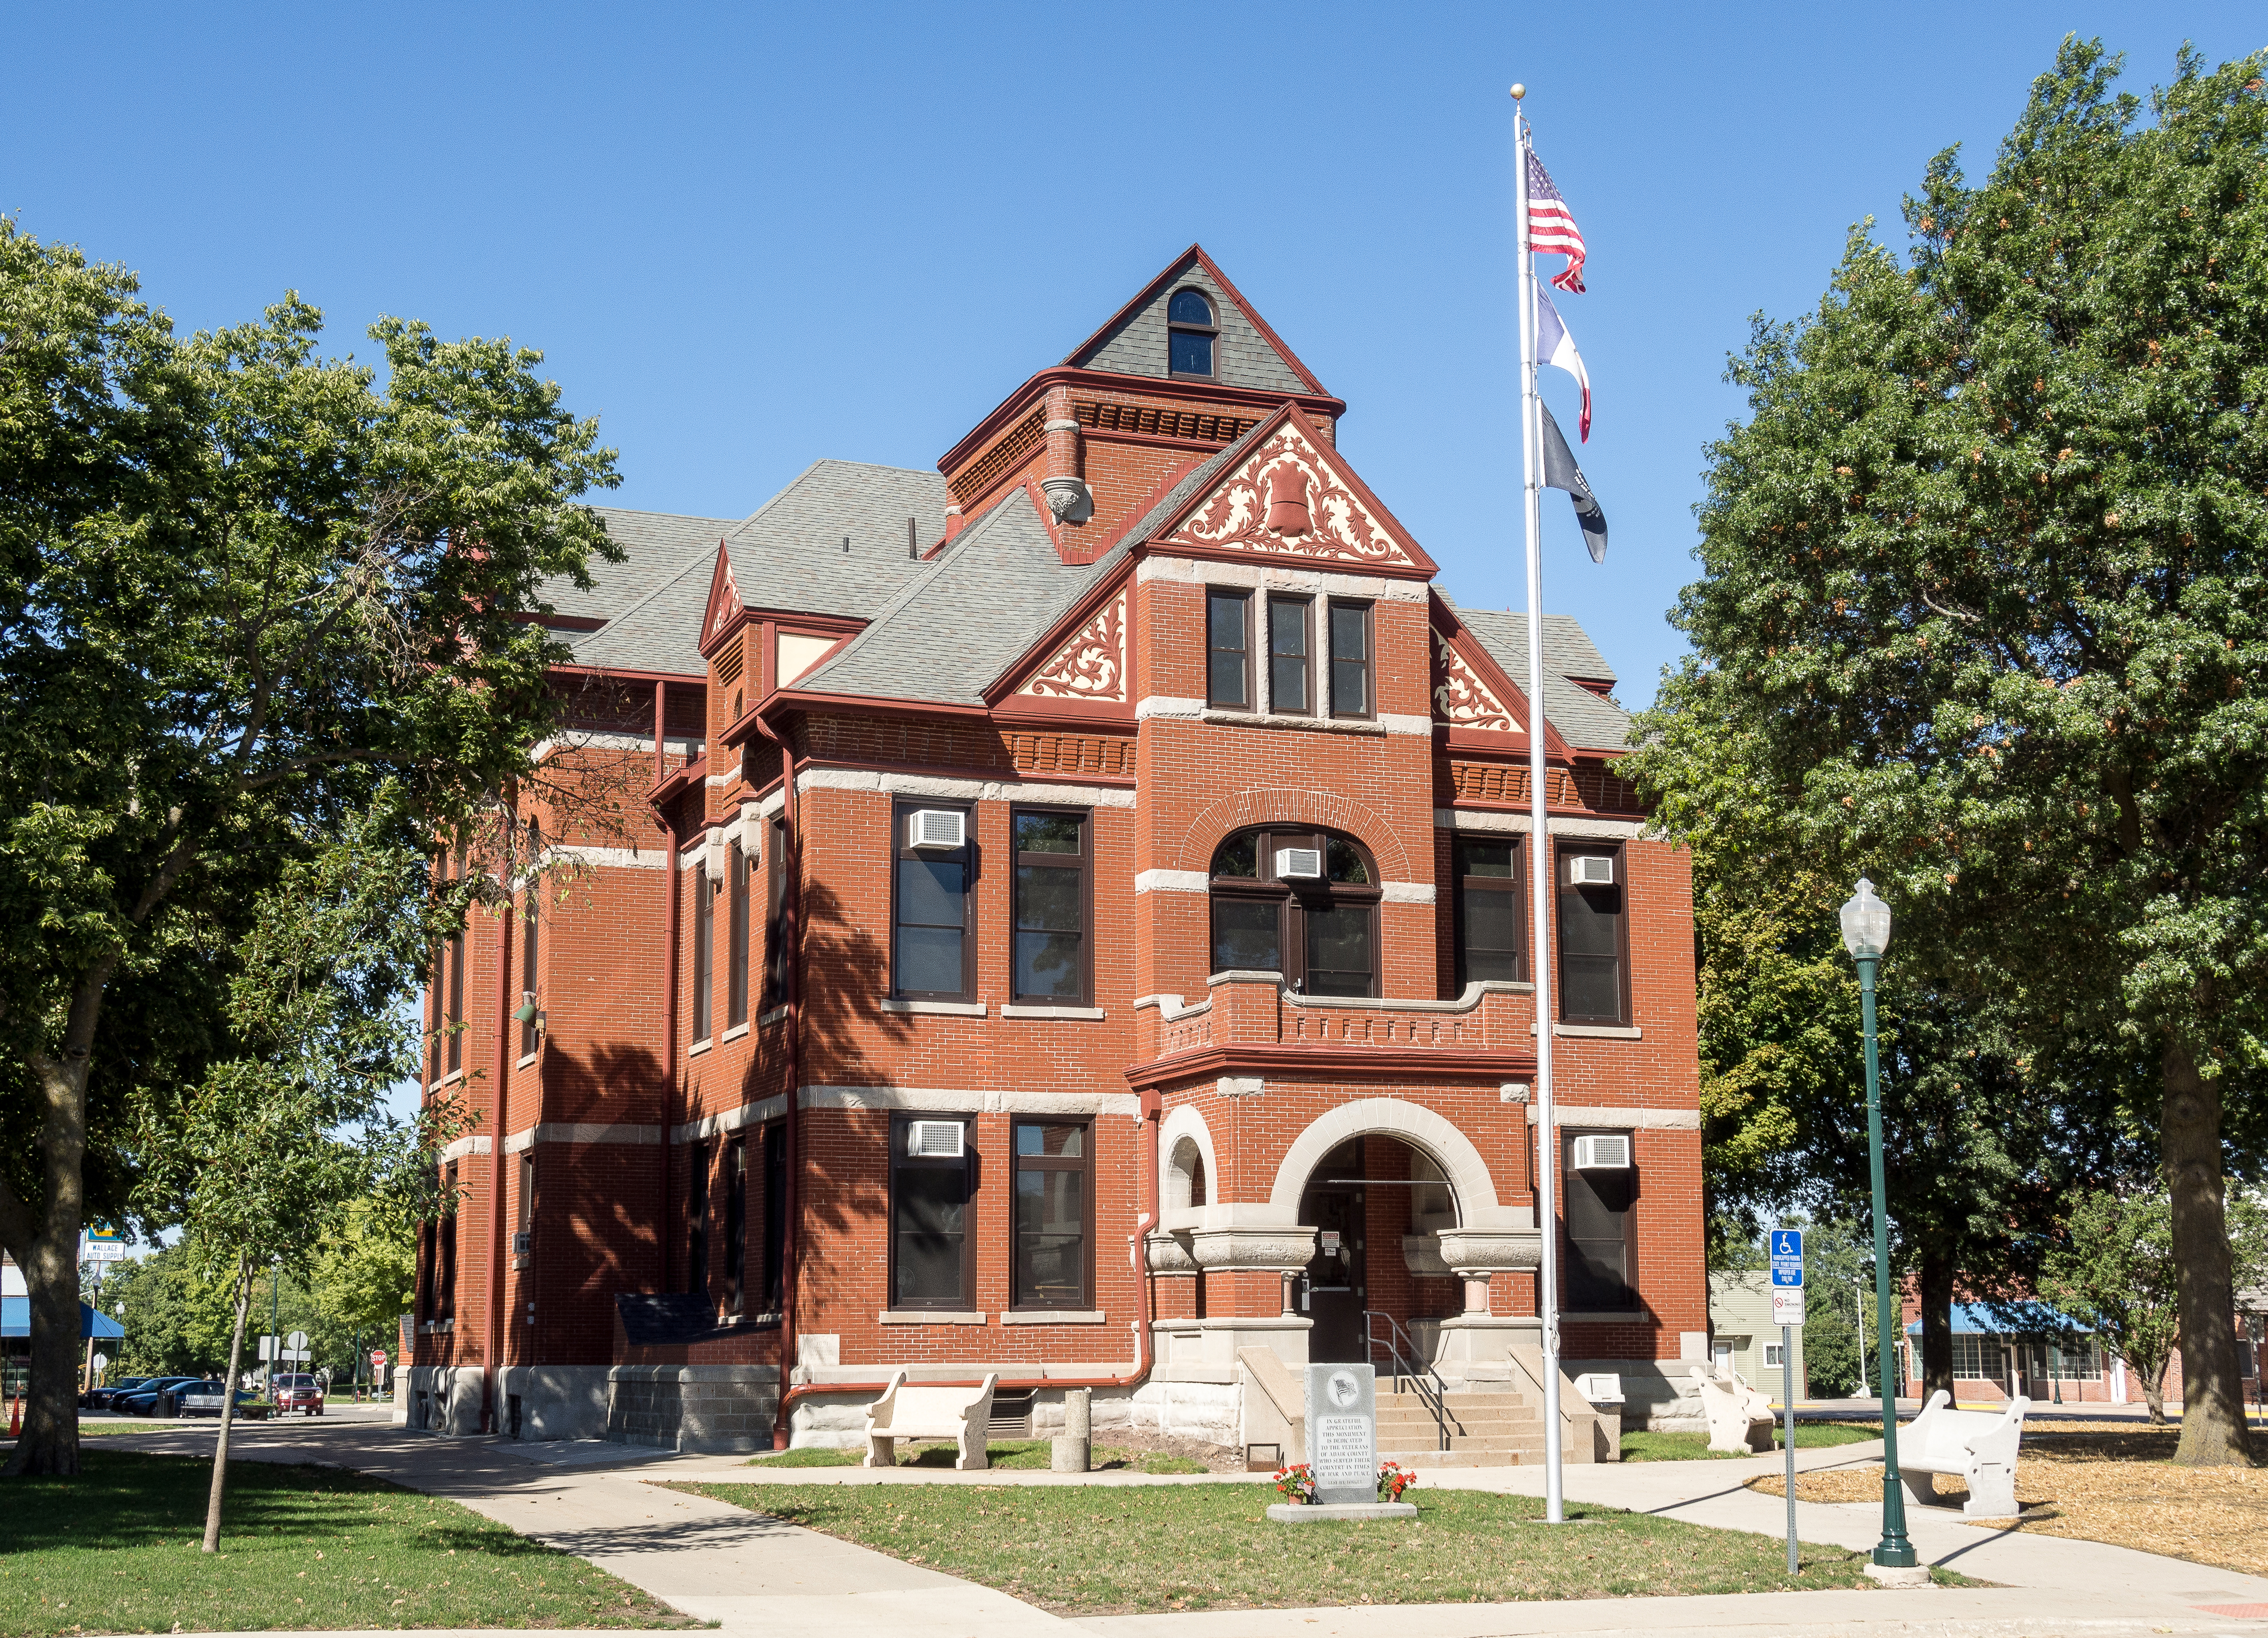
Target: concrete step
1423,1459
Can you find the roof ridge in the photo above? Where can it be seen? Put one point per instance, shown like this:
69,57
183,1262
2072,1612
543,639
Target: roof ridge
951,551
694,560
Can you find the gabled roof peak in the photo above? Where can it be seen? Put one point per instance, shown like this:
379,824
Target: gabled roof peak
1246,351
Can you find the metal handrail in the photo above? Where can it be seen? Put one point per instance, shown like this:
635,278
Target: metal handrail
1433,1392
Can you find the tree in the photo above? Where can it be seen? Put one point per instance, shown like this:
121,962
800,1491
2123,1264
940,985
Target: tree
2113,1270
1982,608
293,1130
1839,1281
241,586
366,1273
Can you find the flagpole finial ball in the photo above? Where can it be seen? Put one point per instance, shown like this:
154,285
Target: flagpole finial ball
1518,91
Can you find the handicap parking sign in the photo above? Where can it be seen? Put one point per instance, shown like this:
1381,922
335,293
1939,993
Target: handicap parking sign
1787,1257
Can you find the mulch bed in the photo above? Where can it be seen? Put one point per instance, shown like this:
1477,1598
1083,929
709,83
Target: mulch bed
2093,1484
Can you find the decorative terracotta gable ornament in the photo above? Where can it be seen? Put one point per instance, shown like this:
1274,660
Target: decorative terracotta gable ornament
1461,698
1287,501
1092,664
1289,497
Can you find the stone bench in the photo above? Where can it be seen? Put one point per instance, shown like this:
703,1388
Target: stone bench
1979,1445
925,1412
1740,1417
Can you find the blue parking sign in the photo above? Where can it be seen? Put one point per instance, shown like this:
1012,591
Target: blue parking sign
1787,1257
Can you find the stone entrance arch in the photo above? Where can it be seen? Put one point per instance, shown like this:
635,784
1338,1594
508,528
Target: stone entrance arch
1432,1134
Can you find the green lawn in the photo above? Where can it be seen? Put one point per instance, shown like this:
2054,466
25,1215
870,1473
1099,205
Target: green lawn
1642,1446
1010,1453
1103,1549
117,1550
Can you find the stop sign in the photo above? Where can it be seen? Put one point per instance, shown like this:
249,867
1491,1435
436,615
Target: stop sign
377,1358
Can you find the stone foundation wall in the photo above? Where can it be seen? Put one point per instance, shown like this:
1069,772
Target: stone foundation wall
693,1407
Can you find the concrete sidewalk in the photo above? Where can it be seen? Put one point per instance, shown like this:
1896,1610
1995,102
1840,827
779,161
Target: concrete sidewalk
749,1573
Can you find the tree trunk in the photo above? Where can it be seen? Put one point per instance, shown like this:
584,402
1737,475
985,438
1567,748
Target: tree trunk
2154,1390
228,1405
49,1444
2189,1135
1936,1323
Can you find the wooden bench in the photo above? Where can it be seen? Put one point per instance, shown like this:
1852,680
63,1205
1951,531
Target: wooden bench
924,1412
1979,1445
1740,1417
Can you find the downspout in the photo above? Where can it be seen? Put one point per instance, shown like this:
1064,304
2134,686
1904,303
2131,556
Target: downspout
669,968
492,1384
791,916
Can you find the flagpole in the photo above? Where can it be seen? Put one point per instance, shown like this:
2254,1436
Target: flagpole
1540,871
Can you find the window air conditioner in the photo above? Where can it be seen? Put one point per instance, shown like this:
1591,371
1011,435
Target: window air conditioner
1602,1152
1298,861
1591,870
934,1139
937,827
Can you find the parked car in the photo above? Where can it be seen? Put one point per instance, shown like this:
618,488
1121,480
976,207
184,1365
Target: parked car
143,1400
203,1398
100,1399
299,1392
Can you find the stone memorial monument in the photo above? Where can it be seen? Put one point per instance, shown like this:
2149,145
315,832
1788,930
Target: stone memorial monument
1341,1415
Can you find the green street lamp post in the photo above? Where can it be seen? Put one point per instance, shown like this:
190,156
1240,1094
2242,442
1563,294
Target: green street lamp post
1866,934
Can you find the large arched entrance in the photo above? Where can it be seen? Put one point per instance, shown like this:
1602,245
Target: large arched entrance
1378,1205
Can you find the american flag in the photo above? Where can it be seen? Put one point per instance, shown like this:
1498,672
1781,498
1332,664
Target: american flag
1552,226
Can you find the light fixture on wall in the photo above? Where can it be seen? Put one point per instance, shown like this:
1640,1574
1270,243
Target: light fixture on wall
528,1012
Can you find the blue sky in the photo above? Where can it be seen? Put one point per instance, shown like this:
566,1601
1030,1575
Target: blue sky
747,237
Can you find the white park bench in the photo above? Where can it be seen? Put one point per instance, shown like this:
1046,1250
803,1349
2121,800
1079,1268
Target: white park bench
922,1412
1740,1417
1979,1445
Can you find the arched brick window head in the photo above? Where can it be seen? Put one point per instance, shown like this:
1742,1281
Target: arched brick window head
1300,901
1190,334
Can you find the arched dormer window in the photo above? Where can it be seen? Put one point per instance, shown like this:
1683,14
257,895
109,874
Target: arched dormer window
1300,902
1190,334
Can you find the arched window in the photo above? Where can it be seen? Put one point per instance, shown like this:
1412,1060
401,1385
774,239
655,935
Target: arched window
1190,334
1300,902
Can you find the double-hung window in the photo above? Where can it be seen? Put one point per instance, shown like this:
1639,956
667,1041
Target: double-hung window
1593,946
447,1259
933,913
696,1220
736,1223
932,1252
776,952
704,948
1052,948
1300,902
1290,674
775,1214
1601,1275
1055,1195
1492,920
736,967
1228,648
529,934
1350,660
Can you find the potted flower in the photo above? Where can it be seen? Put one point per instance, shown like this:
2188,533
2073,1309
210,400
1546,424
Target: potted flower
1296,1483
1393,1480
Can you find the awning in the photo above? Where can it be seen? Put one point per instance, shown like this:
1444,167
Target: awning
16,1321
2031,1319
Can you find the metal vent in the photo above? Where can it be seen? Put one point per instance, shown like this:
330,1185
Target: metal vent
1298,861
1604,1151
1591,870
934,1139
937,827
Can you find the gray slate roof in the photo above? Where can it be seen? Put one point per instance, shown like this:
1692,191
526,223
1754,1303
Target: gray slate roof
1136,346
659,544
788,554
988,597
1582,718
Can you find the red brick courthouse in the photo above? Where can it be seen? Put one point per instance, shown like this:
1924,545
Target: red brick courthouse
1072,926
